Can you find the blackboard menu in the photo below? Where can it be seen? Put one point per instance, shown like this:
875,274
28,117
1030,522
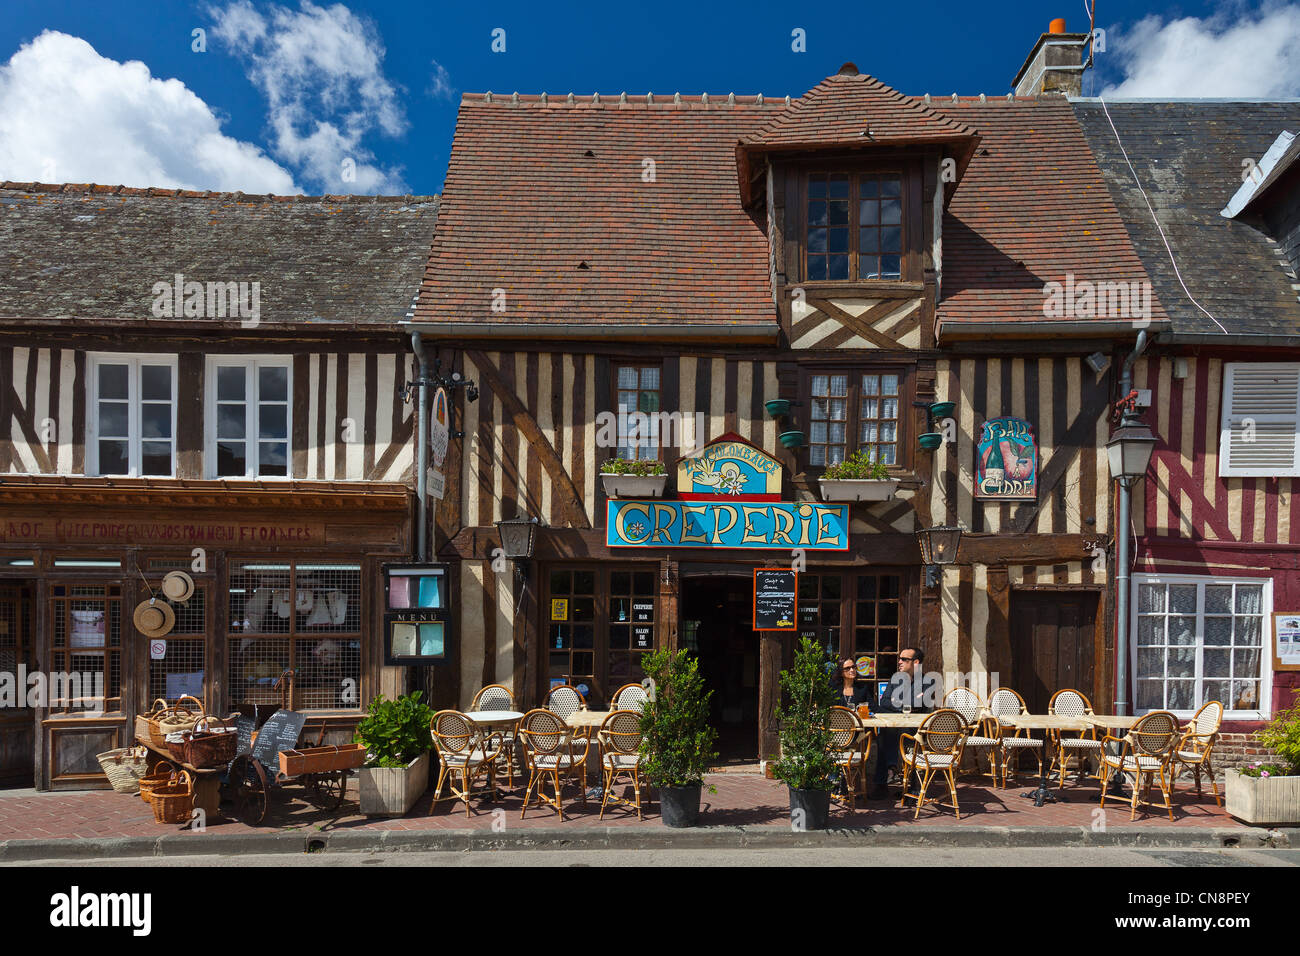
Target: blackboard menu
245,727
277,734
775,599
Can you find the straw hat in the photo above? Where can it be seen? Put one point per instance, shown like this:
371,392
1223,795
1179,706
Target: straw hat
154,618
178,586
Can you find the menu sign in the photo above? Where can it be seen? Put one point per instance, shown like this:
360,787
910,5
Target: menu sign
775,599
643,636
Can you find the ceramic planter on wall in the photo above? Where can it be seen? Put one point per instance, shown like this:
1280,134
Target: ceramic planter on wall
1263,799
391,791
634,486
858,489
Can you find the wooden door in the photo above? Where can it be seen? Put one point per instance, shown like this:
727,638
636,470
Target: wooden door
17,723
1052,644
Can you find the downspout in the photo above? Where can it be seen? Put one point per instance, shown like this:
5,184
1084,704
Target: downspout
1123,558
421,451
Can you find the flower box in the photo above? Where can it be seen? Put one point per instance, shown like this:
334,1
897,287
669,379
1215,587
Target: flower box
1261,800
391,791
858,489
633,486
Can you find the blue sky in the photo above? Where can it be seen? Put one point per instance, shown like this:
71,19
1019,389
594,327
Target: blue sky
286,95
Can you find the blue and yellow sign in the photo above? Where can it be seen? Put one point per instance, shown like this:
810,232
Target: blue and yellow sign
770,525
729,467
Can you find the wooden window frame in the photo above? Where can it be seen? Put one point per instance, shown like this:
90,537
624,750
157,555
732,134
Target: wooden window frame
906,395
251,365
1291,417
908,608
134,438
614,366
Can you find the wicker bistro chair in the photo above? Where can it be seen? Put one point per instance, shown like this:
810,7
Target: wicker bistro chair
1147,752
967,703
630,697
620,738
464,751
848,749
937,747
1196,745
1071,703
1007,703
550,750
498,697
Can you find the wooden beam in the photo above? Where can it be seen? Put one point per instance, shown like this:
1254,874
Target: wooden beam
862,324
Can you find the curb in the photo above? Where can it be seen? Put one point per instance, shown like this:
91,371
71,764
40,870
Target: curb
641,838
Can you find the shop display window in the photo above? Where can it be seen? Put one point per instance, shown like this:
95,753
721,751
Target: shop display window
599,624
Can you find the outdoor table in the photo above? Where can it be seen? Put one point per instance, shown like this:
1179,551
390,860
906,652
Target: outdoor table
207,782
495,718
587,719
1046,723
909,721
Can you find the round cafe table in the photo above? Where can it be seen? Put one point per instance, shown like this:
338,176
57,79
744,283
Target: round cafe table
494,718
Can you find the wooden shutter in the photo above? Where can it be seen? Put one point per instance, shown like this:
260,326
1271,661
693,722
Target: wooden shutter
1261,415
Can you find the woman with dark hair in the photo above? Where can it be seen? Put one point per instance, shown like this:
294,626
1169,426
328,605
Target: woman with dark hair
852,692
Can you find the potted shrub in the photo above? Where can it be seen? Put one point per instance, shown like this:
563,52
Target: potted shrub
628,478
1270,792
397,738
857,478
806,764
676,737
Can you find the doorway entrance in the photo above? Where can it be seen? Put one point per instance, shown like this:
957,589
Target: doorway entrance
17,723
1052,645
718,626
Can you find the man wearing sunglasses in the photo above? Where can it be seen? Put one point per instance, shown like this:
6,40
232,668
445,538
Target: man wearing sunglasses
903,693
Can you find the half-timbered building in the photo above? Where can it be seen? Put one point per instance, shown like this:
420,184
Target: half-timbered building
211,383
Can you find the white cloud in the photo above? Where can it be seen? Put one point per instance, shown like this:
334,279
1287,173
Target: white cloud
321,71
1234,53
68,114
440,83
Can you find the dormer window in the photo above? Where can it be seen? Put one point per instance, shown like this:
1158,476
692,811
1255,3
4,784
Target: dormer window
855,226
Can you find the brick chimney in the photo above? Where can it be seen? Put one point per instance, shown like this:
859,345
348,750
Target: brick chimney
1055,64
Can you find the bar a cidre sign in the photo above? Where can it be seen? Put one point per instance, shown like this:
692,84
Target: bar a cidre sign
776,603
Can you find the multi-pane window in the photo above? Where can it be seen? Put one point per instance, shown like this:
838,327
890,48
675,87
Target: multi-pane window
819,608
133,416
855,226
303,617
249,418
572,633
854,616
86,646
877,620
638,395
1198,640
864,404
631,624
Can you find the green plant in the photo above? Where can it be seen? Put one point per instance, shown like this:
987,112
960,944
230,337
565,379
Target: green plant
676,737
857,466
806,762
639,468
1265,770
395,732
1282,736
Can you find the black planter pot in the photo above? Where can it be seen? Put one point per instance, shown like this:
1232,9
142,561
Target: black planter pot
679,806
816,807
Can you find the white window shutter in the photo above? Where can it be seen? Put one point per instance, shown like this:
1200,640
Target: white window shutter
1260,428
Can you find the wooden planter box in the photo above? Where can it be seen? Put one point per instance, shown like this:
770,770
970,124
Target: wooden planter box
858,489
1263,799
294,763
634,486
391,791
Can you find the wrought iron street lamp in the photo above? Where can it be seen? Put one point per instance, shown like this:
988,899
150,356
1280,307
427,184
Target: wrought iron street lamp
938,548
518,537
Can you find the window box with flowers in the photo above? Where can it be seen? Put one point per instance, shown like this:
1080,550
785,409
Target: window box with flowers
1269,792
631,478
857,478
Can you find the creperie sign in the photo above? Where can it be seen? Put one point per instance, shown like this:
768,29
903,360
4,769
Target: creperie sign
156,532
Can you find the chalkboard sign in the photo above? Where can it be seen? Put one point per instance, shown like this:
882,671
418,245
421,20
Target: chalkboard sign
775,599
245,726
277,734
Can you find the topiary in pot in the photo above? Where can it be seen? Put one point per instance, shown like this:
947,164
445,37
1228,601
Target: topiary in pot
676,737
806,763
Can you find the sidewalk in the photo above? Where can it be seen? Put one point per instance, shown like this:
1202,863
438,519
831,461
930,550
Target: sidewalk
747,810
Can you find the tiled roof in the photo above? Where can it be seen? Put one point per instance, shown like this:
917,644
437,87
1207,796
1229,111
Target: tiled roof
856,109
1031,208
599,211
95,252
1188,157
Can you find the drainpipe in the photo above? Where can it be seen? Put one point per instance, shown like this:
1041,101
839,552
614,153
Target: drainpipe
1123,559
421,451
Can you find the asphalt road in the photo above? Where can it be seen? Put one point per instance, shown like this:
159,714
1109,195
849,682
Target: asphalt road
1122,857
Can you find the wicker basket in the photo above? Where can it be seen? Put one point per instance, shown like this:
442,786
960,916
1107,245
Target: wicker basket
174,801
143,731
124,768
210,746
293,763
159,778
173,719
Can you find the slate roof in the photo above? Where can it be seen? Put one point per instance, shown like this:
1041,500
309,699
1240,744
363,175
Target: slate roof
1188,156
1031,208
95,252
553,203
